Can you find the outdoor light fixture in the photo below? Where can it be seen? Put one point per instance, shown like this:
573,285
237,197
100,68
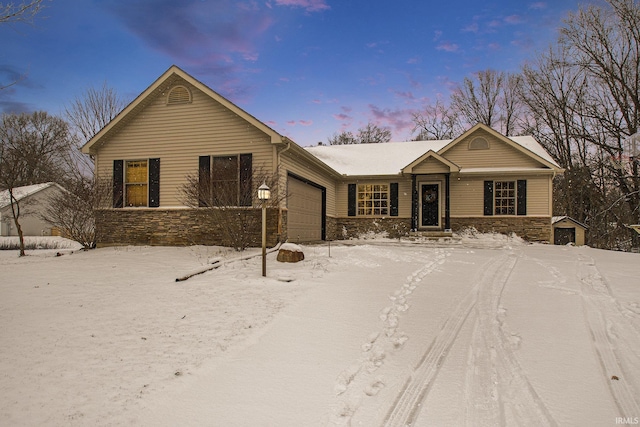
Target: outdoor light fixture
264,194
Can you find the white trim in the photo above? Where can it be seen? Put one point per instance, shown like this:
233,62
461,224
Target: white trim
506,171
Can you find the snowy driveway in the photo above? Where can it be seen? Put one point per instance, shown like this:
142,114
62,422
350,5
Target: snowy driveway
489,332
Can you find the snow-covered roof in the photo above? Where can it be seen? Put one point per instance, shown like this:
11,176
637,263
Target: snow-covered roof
21,192
391,157
374,159
530,143
556,219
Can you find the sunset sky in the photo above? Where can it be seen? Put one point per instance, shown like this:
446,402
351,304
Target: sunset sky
307,68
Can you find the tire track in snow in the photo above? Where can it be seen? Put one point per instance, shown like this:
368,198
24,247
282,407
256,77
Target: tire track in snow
408,403
600,309
357,380
496,384
498,391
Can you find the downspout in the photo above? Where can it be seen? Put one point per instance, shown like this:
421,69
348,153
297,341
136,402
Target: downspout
447,204
278,165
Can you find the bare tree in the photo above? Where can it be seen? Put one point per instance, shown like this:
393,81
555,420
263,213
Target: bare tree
368,134
437,122
73,211
373,134
477,99
491,98
605,44
33,149
21,12
93,110
343,138
230,208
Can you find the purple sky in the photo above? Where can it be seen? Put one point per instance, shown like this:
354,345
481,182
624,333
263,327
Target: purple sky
307,68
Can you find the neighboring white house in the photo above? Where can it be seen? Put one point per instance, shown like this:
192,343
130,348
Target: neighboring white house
32,200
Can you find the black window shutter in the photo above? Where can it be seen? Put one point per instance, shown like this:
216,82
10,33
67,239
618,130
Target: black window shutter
246,177
154,183
488,198
204,180
352,200
393,195
118,183
522,197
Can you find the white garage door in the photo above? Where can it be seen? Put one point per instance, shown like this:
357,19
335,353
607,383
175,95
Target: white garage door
304,216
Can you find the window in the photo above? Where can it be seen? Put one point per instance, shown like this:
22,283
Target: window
226,180
479,143
505,198
135,183
373,199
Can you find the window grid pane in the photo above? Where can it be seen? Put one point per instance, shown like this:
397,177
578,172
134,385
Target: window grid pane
373,199
505,197
136,188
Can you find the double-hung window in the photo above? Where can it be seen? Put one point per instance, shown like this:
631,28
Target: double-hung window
136,183
505,198
373,199
226,180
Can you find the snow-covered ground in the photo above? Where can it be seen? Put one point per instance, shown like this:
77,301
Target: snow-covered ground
484,331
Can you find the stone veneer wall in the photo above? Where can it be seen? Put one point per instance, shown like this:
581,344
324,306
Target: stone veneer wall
170,227
534,229
347,228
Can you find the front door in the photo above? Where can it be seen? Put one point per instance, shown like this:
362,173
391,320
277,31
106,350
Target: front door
430,205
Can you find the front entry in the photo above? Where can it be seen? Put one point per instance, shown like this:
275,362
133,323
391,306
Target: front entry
429,205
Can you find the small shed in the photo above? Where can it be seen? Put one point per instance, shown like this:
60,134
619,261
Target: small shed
567,230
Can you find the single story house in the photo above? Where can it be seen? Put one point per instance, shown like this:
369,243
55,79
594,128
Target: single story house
567,230
180,128
33,200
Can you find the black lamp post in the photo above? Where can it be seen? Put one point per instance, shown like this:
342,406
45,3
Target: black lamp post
264,194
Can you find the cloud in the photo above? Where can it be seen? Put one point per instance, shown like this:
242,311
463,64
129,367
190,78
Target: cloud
308,5
342,117
513,19
398,119
471,28
538,5
448,47
407,96
305,122
219,35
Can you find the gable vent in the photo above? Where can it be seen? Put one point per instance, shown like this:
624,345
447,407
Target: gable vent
179,95
479,143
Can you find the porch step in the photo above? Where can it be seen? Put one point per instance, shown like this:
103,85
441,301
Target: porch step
431,234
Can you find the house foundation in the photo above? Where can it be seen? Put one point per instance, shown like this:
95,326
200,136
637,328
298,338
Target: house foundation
178,227
533,229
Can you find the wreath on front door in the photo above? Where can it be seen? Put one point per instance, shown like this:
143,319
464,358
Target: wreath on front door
430,196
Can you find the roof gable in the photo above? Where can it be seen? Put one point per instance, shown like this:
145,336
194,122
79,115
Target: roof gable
164,81
526,145
427,156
